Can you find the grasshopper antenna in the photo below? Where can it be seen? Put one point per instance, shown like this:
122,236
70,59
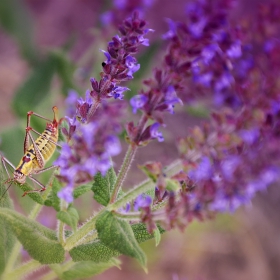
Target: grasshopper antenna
5,191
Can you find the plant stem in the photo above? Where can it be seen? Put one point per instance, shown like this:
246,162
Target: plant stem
171,170
82,232
61,225
123,171
23,270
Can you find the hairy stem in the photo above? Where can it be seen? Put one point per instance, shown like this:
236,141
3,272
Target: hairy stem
23,270
89,226
81,233
123,171
61,225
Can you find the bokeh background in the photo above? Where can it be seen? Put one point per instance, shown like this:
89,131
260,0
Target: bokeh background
50,46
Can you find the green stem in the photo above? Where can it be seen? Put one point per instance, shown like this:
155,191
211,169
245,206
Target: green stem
89,238
131,216
145,186
23,270
83,231
61,225
123,171
57,270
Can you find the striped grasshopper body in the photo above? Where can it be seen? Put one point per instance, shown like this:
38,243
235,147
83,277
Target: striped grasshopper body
36,153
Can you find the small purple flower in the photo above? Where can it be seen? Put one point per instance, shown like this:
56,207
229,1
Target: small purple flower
137,102
117,92
204,170
132,65
172,29
235,50
250,136
71,102
108,56
196,28
66,194
209,52
142,201
112,145
154,133
228,166
83,107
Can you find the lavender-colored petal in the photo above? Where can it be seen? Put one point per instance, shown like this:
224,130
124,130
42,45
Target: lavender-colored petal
137,102
155,134
142,201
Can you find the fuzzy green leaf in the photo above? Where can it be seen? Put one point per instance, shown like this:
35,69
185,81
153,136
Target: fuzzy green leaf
34,196
35,89
98,252
95,251
103,186
141,233
118,235
53,199
81,190
7,238
85,269
69,217
157,236
39,241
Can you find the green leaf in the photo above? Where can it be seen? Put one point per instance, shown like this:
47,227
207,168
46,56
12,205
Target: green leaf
36,87
34,196
7,238
81,190
39,241
85,269
69,217
172,185
65,70
141,233
118,235
157,236
95,251
103,186
98,252
52,199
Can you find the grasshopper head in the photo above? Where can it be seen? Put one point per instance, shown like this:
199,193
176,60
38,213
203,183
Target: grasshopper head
19,177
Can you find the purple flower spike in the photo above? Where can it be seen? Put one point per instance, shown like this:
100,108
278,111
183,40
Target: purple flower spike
137,102
142,201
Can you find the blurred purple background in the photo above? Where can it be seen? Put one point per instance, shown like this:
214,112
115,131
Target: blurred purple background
241,246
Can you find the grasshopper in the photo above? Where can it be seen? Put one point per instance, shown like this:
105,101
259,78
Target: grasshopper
36,153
